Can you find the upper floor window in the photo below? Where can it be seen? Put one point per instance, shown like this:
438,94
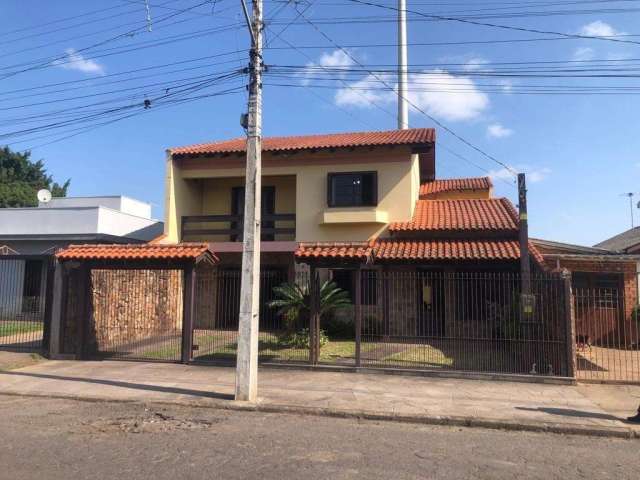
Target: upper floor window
352,189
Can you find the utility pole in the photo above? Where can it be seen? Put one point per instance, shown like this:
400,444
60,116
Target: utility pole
247,355
403,112
523,231
630,195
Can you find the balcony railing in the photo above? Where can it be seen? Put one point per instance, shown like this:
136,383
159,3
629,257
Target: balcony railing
231,226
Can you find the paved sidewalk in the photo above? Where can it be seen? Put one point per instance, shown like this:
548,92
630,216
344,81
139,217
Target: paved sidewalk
524,406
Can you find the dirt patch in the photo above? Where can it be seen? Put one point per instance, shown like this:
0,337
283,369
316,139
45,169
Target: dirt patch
150,421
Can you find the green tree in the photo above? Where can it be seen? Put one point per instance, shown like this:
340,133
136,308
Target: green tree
21,178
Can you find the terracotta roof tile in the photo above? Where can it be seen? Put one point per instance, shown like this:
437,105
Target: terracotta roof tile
447,250
417,250
449,215
343,250
454,185
414,136
135,252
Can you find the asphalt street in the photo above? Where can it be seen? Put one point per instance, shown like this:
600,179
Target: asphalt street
62,439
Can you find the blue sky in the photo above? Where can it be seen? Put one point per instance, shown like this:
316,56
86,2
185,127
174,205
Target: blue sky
581,152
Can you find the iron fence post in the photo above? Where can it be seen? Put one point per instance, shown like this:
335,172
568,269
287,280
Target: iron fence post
189,313
570,323
49,266
358,312
314,317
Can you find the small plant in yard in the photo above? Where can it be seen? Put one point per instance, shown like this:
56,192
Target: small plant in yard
293,304
301,339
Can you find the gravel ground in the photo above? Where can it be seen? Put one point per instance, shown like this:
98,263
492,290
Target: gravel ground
47,438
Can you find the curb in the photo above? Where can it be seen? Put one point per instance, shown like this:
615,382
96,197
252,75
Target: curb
452,421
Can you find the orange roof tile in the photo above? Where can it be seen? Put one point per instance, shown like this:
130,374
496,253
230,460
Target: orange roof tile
447,250
447,215
453,185
355,250
182,251
418,250
414,136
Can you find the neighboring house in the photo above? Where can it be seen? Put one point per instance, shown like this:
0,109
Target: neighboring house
602,271
30,236
625,242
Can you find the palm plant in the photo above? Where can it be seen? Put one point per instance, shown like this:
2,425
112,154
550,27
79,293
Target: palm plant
293,300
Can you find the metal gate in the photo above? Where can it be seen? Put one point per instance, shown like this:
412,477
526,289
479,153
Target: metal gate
607,339
215,326
24,283
124,313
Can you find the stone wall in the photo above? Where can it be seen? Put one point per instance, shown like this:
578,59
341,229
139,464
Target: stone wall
133,305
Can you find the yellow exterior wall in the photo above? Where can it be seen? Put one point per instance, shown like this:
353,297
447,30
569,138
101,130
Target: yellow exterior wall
182,197
398,189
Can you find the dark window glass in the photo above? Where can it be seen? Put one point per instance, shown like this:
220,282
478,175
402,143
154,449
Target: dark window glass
268,200
352,189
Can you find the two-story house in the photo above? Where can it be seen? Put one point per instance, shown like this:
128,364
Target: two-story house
370,196
342,203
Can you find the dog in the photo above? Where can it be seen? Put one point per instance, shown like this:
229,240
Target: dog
583,342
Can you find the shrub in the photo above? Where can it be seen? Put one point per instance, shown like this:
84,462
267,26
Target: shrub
300,339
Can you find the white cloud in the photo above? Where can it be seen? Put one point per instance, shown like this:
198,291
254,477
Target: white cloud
336,60
496,130
599,29
583,54
534,175
475,64
436,91
506,85
75,61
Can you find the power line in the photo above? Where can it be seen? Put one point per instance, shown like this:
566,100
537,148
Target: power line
433,119
368,100
51,62
495,25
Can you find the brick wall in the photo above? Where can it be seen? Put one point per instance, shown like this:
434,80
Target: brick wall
627,269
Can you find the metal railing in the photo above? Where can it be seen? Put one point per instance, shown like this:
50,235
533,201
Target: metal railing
607,337
392,319
231,226
23,288
215,333
462,321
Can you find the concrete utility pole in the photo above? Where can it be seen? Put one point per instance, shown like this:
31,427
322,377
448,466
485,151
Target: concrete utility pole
403,112
523,229
247,359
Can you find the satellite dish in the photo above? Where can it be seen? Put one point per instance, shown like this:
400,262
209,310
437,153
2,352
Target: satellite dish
44,196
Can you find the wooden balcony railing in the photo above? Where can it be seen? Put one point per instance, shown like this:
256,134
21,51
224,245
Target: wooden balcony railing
231,226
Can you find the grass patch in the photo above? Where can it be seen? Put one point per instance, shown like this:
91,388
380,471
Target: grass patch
420,355
14,327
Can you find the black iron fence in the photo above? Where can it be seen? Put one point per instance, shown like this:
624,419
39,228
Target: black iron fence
462,321
607,338
23,302
282,336
375,318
